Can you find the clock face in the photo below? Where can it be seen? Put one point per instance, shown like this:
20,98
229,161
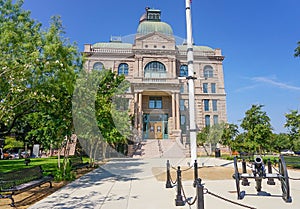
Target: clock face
98,66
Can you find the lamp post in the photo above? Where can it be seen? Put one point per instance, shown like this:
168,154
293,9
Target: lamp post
190,61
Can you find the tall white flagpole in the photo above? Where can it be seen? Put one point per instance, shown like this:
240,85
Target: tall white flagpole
190,61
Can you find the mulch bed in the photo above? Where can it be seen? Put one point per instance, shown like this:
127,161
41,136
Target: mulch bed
28,198
205,173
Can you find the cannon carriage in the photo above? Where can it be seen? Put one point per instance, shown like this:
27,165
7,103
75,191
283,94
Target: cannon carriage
258,173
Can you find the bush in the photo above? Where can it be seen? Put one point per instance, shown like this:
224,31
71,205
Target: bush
68,175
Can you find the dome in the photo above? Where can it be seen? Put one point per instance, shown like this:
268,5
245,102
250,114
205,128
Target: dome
147,27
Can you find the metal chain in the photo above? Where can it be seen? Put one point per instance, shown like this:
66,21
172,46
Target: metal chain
173,182
227,200
184,169
186,200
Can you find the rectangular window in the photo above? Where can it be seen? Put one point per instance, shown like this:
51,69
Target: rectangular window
155,102
182,89
206,104
213,88
216,119
183,124
205,88
215,105
182,107
207,120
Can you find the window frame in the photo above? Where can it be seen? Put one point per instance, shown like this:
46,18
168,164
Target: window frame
206,105
215,105
183,71
157,102
98,63
208,71
123,69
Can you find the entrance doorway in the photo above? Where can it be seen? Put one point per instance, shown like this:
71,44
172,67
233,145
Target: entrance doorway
155,126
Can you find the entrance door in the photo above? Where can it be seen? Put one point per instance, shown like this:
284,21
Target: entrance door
158,130
155,126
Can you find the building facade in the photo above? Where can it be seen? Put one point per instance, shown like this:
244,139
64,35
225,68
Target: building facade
156,67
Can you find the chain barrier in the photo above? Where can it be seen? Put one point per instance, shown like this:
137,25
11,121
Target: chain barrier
227,200
186,199
173,182
180,201
189,168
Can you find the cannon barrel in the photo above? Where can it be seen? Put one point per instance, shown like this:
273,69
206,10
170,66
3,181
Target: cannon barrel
258,160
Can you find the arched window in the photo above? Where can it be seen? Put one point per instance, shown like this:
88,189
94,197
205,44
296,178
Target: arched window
98,66
123,69
208,71
155,70
184,72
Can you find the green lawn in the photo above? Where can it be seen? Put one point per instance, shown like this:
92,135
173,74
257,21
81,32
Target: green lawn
48,164
18,164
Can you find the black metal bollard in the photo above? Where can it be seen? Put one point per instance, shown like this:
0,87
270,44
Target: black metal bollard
200,194
245,181
270,180
179,200
168,182
195,172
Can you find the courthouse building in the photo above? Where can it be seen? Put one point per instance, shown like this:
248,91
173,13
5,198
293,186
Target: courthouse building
155,64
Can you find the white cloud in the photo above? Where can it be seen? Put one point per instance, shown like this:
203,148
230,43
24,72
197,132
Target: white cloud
273,82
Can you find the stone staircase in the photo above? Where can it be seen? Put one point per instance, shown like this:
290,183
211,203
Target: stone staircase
165,148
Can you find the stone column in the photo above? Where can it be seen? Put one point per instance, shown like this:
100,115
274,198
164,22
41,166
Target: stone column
136,110
140,70
177,112
173,111
140,112
174,69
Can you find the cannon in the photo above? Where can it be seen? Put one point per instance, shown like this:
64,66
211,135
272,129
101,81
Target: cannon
258,173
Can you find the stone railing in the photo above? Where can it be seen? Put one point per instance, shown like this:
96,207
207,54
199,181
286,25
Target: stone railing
198,53
111,50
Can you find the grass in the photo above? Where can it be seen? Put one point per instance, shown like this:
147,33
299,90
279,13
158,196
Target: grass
291,161
48,164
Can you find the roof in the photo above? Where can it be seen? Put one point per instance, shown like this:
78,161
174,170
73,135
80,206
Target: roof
147,27
195,48
115,45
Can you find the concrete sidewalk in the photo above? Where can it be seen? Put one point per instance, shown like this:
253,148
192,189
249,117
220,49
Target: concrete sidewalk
130,184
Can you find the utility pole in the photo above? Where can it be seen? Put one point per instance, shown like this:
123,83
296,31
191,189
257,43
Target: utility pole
190,61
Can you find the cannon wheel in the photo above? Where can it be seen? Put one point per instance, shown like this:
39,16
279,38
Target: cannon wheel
284,179
236,176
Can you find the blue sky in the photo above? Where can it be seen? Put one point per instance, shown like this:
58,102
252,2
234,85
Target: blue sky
257,38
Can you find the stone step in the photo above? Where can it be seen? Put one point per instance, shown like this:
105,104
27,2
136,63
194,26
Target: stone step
167,148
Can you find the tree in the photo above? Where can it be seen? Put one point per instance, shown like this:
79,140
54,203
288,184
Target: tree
98,123
280,142
210,135
230,132
297,50
38,70
257,126
11,143
293,124
20,46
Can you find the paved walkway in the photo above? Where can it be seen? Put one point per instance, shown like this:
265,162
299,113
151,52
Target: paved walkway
130,184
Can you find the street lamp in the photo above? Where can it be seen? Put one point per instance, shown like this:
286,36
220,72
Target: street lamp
190,77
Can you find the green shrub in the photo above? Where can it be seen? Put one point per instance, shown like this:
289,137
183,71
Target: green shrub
68,175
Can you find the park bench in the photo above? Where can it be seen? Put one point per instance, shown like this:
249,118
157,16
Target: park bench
77,162
16,182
